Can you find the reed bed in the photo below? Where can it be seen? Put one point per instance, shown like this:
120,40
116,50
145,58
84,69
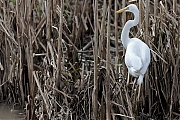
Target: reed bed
64,59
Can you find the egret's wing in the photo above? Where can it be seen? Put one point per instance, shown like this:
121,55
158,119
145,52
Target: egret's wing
137,57
145,58
133,61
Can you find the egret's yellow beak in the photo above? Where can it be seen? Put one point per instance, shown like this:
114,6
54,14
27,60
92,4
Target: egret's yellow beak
121,10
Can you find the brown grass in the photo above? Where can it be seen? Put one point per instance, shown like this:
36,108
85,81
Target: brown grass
63,59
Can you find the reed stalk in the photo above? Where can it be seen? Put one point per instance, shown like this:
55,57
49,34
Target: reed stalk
64,60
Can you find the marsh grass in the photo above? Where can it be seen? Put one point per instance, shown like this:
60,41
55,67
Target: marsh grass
64,59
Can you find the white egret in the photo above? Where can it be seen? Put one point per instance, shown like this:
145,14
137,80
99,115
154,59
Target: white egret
137,57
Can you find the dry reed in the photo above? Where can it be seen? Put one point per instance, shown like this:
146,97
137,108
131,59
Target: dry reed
63,59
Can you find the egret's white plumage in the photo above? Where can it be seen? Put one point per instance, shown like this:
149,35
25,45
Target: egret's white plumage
137,57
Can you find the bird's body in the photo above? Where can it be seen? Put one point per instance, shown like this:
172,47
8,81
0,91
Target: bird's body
137,57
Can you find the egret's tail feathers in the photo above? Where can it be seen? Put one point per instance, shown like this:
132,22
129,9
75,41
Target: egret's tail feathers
140,79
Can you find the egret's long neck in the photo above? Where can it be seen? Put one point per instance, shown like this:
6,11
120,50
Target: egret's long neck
125,32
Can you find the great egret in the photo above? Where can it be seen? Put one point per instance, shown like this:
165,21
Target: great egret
137,57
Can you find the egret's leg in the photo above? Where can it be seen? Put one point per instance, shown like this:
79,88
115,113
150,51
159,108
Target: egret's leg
139,91
127,80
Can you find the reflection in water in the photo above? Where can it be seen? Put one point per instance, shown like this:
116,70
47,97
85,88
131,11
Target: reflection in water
8,112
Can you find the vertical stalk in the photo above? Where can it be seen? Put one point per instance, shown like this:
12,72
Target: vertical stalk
48,24
140,13
58,76
29,53
174,5
116,39
123,14
147,22
108,115
155,14
95,89
123,23
20,50
175,62
147,84
102,31
155,7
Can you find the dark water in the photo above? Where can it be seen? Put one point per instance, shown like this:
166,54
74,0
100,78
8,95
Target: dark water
11,112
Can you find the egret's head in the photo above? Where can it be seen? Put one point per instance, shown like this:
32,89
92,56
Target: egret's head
130,8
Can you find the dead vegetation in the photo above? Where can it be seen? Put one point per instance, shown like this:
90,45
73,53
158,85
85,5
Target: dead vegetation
62,59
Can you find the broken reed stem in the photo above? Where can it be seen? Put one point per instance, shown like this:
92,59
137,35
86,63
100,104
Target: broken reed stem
42,94
95,51
174,6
